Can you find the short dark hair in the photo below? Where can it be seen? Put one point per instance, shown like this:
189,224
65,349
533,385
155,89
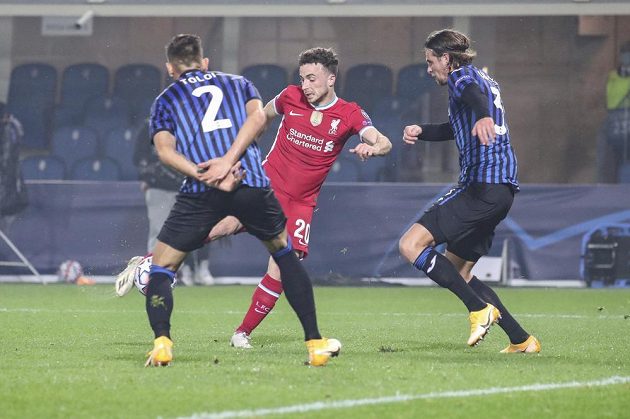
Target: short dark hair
184,50
453,43
327,57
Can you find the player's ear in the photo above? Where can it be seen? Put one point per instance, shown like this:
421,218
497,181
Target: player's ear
205,64
170,70
331,79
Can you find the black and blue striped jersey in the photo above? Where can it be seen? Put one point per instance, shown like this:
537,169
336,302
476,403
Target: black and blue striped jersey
478,163
204,110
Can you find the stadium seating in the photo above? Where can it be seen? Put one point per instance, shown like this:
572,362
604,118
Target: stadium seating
43,167
266,140
95,168
119,145
80,82
71,143
345,169
269,79
32,90
104,114
413,81
64,115
365,83
624,173
138,84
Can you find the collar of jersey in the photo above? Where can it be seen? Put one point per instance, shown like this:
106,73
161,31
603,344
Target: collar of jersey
192,70
328,105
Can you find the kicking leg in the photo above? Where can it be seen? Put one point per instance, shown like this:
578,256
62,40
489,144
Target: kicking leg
299,291
520,340
417,246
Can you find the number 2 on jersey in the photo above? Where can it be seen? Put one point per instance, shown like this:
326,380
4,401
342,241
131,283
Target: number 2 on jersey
209,122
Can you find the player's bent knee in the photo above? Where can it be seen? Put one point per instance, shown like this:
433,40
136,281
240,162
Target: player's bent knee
410,246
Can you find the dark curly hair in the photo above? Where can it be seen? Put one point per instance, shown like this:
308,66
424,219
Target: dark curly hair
453,43
327,57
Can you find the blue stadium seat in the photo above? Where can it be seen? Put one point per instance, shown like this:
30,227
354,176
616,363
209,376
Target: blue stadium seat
345,169
63,116
390,107
365,83
119,145
95,168
71,143
80,82
413,81
137,84
43,167
266,140
269,79
104,114
32,90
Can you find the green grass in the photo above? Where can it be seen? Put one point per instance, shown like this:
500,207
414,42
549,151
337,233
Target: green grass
78,352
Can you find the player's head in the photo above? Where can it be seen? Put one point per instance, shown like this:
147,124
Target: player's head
318,73
445,51
184,52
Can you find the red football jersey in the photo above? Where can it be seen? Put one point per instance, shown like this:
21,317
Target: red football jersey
308,142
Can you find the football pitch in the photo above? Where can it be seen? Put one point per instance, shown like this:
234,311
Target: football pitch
72,351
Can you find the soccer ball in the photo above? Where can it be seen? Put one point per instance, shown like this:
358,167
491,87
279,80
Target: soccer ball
69,271
141,275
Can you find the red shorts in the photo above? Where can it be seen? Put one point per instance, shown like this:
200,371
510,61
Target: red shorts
299,218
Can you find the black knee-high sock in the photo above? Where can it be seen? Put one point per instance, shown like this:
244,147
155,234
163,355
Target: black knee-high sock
159,302
441,270
298,290
508,323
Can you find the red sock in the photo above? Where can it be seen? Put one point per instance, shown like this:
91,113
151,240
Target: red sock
263,300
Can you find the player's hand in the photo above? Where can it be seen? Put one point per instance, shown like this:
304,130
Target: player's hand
484,130
411,134
363,151
219,174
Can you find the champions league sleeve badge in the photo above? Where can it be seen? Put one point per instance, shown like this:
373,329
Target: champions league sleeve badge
316,118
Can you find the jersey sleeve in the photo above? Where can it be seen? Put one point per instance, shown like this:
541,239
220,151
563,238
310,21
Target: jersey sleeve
359,120
458,80
160,119
249,90
279,101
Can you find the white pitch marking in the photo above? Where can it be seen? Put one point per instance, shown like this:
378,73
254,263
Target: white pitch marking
343,404
230,312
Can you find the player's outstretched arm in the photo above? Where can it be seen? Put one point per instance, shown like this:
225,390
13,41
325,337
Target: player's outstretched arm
373,144
428,132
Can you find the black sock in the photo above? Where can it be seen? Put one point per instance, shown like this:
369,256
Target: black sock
159,303
508,323
441,270
298,290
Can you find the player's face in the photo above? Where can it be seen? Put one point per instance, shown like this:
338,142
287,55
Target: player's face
317,83
438,67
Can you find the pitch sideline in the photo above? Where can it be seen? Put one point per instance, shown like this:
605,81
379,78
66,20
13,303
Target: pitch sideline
343,404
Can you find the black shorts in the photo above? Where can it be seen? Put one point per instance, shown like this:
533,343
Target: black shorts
465,218
195,214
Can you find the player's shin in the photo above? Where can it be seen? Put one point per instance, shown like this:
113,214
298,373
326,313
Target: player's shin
441,270
264,299
298,290
159,300
508,323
